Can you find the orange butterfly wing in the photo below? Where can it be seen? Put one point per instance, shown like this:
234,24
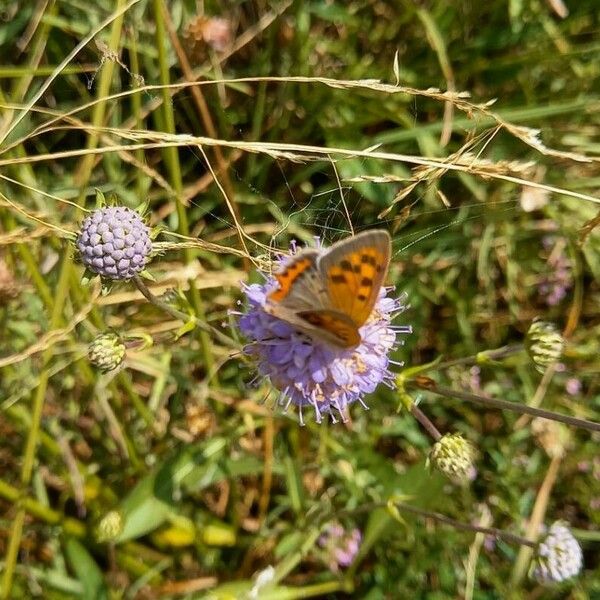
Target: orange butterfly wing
355,270
290,275
330,295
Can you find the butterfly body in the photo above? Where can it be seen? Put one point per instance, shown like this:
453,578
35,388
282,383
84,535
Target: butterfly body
329,294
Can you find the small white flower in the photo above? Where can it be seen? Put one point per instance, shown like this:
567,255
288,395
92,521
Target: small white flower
559,556
263,579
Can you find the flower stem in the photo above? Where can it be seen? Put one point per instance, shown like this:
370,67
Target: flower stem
425,383
179,315
493,531
38,510
482,357
12,552
172,162
537,516
420,416
401,506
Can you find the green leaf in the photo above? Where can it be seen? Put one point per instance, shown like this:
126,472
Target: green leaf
185,328
86,570
147,275
152,500
100,199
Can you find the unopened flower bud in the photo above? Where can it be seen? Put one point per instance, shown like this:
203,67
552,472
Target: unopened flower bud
544,344
110,527
453,456
558,556
106,352
114,242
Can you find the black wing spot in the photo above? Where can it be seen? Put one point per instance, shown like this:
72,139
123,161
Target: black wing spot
362,297
366,282
346,265
368,260
338,278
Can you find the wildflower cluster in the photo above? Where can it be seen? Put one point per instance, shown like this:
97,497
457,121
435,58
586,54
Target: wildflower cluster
544,344
106,351
453,456
559,556
309,372
114,242
340,545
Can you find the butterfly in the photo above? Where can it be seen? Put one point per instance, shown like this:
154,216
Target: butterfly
330,293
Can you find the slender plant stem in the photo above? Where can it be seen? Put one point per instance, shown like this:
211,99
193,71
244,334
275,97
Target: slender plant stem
136,109
30,264
420,416
497,533
538,397
44,513
104,81
174,168
537,516
207,121
482,357
181,316
440,390
137,402
494,532
12,552
321,590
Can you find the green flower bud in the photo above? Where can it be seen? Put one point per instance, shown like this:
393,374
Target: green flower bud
106,352
453,456
110,527
544,344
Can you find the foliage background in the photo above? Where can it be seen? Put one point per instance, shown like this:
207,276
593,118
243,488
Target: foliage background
214,487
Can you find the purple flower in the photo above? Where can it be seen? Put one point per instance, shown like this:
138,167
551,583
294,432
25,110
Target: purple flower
573,386
558,280
309,372
114,242
340,545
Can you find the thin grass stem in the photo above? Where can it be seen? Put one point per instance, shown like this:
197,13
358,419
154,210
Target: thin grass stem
428,384
176,180
33,435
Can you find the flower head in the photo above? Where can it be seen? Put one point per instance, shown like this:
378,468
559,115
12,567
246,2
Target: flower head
114,242
559,556
340,545
453,456
544,344
106,351
310,372
110,527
